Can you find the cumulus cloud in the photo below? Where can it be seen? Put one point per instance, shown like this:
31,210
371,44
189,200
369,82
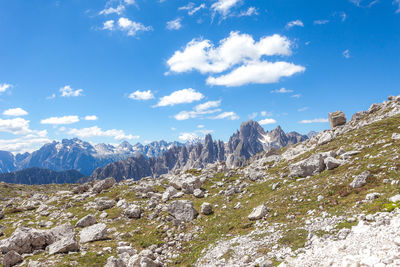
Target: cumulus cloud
110,10
60,120
174,24
240,51
282,91
180,97
15,112
199,110
4,87
17,126
267,121
109,25
131,28
26,143
96,131
91,118
319,120
257,73
296,96
224,7
67,91
141,95
294,23
203,56
226,115
192,9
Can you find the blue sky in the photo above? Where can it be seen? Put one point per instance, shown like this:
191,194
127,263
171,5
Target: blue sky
145,70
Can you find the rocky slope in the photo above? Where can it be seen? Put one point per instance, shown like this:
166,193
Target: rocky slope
245,143
332,200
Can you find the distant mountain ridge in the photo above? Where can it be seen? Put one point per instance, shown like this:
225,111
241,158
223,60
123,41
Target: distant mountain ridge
79,155
39,176
246,142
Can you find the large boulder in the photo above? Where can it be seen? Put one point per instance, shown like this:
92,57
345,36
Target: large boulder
308,167
102,185
86,221
337,118
258,213
169,192
93,233
64,245
182,210
360,180
26,240
133,211
332,163
103,203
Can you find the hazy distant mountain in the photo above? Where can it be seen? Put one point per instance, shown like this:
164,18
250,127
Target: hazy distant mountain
79,155
246,142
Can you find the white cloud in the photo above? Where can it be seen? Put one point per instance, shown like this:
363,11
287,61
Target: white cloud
191,8
109,25
265,113
397,2
343,16
303,109
294,23
253,115
111,10
51,97
129,2
236,49
296,96
257,73
201,109
249,12
207,105
4,87
174,24
91,118
132,27
226,115
95,131
60,120
15,126
346,53
321,22
180,97
15,112
67,91
223,7
282,91
200,126
27,143
320,120
141,95
267,121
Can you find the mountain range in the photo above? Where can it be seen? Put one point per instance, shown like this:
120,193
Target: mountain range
137,161
78,155
246,142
